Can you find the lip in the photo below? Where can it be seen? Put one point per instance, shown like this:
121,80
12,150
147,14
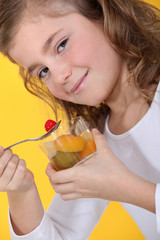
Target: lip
79,84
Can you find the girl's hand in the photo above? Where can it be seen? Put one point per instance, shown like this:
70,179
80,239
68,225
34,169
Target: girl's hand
102,176
14,176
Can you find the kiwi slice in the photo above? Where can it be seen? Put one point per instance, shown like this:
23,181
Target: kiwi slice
63,160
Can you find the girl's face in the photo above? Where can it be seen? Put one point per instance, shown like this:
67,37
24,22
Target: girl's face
71,55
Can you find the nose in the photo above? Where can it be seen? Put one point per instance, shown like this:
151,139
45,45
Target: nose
61,72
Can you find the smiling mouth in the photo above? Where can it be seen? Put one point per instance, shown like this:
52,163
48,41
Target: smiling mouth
79,84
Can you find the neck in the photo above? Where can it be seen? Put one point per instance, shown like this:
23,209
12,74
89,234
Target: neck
127,105
123,93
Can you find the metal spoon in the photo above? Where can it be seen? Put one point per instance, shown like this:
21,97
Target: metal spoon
38,138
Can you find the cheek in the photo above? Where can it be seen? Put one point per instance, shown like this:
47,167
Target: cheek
91,52
54,91
82,51
57,92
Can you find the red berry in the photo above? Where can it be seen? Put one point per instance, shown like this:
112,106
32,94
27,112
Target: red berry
49,124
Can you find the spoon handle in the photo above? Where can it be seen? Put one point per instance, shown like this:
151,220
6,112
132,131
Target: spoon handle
38,138
18,143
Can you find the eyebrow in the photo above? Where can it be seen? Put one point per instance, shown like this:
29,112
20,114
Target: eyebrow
45,48
49,41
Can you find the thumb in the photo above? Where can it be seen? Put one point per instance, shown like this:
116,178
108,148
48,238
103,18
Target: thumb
99,139
50,170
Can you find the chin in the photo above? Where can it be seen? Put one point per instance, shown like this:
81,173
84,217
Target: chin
97,102
94,103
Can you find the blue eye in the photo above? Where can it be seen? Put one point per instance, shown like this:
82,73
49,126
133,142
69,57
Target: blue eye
43,73
61,46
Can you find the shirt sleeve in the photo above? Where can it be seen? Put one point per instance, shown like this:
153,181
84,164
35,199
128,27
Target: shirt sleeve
44,231
157,199
69,220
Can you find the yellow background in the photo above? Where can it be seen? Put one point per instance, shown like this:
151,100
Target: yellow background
23,116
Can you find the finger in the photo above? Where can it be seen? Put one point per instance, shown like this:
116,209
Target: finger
70,196
62,176
100,139
5,158
19,176
50,169
1,150
9,171
64,188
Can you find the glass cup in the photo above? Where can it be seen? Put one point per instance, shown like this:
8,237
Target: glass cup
69,145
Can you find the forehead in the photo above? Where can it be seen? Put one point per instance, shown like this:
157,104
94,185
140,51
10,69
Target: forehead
33,34
36,11
41,24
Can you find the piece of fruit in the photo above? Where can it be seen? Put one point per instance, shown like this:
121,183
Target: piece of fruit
64,160
69,143
88,149
49,124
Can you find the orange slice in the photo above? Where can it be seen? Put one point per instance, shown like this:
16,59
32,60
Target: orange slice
89,148
69,143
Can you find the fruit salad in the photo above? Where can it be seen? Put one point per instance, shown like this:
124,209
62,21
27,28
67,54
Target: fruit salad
68,149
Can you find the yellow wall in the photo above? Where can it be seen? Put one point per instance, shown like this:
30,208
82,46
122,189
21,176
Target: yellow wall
23,116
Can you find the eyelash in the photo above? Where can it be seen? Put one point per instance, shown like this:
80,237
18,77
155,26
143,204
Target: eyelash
39,74
64,42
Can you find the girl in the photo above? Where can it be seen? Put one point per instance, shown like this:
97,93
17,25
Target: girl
98,59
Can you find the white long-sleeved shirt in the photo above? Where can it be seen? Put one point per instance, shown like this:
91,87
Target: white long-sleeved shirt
139,149
66,220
